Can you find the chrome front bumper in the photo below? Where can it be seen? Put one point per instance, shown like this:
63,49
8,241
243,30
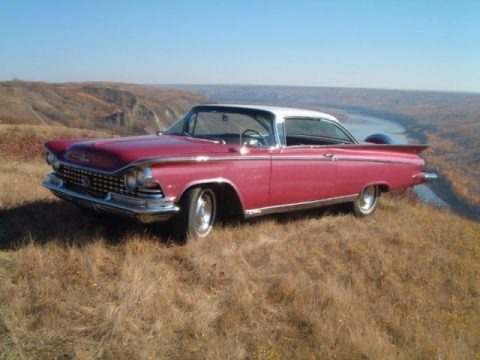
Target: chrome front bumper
144,210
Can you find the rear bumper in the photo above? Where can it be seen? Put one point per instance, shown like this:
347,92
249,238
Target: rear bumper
144,210
425,177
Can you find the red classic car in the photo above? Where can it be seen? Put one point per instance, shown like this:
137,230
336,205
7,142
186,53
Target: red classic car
220,159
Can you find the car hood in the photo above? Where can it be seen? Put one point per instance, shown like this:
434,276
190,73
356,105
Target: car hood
115,153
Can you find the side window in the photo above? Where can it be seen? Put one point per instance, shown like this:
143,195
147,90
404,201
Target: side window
312,128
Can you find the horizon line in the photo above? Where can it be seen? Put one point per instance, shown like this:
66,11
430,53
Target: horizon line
170,84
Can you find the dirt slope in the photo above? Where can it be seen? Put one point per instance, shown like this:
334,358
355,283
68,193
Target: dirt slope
122,108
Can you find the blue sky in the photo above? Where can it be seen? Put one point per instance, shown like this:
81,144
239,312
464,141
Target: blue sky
376,44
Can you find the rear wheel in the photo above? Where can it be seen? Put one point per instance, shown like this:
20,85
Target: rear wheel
367,201
199,209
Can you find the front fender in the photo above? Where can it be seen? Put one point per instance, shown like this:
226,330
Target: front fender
215,181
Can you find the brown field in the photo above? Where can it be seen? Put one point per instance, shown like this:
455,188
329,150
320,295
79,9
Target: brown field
401,284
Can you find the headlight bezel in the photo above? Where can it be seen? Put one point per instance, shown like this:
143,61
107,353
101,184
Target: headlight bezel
49,158
130,180
139,178
52,160
56,164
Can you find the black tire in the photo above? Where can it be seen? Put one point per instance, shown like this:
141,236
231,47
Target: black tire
367,201
197,214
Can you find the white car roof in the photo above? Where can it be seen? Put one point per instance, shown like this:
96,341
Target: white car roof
282,112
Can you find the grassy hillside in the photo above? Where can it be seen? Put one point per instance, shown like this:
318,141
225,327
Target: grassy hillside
448,122
122,108
402,284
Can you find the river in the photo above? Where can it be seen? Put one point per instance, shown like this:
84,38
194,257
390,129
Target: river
363,125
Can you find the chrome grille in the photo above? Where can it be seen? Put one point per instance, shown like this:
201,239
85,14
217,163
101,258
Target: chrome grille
92,182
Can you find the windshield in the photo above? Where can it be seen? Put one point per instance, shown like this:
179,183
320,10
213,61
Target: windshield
227,125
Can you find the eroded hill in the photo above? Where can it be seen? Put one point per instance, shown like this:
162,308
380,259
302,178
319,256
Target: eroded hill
121,108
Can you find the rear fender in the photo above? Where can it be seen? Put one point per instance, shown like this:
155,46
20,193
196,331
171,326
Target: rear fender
383,186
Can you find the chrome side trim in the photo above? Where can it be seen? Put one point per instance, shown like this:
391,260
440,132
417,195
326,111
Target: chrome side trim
198,159
163,160
302,158
143,209
373,160
207,158
299,206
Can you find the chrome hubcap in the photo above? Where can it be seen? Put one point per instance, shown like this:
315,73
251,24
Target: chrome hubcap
203,213
368,198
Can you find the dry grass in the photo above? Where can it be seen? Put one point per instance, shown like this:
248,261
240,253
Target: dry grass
401,284
26,142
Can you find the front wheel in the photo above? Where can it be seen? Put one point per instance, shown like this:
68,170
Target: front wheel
199,209
367,201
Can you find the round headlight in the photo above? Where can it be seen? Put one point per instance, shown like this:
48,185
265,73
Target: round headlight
56,164
130,180
144,177
50,158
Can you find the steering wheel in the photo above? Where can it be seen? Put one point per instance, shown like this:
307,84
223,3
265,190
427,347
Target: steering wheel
261,139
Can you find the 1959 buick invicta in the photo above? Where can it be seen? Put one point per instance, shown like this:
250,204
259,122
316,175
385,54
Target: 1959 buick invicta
220,159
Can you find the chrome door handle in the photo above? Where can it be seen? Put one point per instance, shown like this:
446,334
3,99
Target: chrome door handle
328,155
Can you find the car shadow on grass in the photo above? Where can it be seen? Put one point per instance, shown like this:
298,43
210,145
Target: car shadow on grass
45,221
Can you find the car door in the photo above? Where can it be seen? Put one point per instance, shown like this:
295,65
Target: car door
303,168
301,174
